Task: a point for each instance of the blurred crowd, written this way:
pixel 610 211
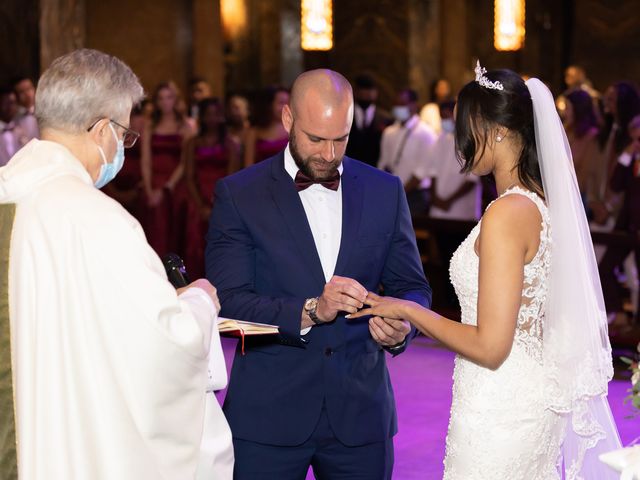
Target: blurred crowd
pixel 187 144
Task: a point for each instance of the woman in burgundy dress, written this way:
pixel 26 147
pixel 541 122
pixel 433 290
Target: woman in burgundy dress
pixel 162 170
pixel 208 157
pixel 267 136
pixel 126 188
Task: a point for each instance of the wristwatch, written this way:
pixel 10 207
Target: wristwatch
pixel 311 306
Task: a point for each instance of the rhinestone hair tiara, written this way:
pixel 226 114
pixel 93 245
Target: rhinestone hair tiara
pixel 484 81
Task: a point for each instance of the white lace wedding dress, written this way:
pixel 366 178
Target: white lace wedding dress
pixel 499 428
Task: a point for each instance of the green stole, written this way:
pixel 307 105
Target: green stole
pixel 8 441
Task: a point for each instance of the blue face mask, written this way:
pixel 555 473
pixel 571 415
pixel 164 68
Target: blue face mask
pixel 448 125
pixel 108 171
pixel 401 113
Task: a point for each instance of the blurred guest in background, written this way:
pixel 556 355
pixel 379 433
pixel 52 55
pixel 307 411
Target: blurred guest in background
pixel 575 77
pixel 126 188
pixel 199 89
pixel 267 135
pixel 405 148
pixel 454 195
pixel 626 180
pixel 440 92
pixel 208 157
pixel 369 121
pixel 581 125
pixel 162 169
pixel 26 95
pixel 15 130
pixel 237 114
pixel 621 103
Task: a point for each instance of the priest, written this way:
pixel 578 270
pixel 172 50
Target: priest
pixel 104 366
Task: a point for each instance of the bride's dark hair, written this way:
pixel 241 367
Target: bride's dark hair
pixel 479 109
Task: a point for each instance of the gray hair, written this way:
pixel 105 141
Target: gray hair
pixel 84 86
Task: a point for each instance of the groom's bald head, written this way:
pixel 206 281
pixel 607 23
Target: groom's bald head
pixel 318 119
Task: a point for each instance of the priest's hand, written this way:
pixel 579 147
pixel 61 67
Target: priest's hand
pixel 204 284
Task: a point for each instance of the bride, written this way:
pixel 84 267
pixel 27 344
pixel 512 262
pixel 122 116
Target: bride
pixel 534 360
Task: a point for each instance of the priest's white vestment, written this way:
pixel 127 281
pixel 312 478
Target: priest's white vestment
pixel 109 364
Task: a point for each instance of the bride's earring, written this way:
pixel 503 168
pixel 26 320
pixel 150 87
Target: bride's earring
pixel 498 138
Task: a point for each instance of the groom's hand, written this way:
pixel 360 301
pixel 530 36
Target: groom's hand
pixel 389 332
pixel 340 294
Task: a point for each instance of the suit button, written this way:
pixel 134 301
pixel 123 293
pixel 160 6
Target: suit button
pixel 328 352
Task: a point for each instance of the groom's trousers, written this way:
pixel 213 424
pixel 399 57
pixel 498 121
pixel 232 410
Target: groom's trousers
pixel 330 459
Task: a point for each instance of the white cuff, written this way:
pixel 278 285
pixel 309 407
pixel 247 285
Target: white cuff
pixel 197 292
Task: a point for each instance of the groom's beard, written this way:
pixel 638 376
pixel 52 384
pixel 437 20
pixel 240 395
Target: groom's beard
pixel 314 167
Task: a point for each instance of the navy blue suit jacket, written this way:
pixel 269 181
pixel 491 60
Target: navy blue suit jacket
pixel 262 258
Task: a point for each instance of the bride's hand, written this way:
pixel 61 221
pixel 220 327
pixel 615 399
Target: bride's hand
pixel 386 307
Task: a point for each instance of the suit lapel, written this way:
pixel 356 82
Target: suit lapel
pixel 288 202
pixel 351 214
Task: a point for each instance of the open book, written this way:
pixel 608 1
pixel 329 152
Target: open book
pixel 229 327
pixel 238 328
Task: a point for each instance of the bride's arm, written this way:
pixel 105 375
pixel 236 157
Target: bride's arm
pixel 508 239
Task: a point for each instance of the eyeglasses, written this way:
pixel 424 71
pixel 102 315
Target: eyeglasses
pixel 129 137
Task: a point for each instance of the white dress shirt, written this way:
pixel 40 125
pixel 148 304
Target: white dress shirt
pixel 363 117
pixel 405 147
pixel 444 167
pixel 323 208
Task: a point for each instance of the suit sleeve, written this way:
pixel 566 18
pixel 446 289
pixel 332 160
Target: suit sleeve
pixel 230 265
pixel 403 275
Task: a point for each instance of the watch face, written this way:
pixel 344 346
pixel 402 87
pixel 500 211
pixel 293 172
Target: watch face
pixel 310 304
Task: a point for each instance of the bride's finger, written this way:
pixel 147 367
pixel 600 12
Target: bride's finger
pixel 360 313
pixel 373 297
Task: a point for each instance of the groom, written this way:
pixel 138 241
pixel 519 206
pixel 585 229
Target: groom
pixel 297 241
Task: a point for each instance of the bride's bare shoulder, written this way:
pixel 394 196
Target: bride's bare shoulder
pixel 513 218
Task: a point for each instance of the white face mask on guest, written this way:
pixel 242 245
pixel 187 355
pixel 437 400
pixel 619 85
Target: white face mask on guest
pixel 401 113
pixel 448 125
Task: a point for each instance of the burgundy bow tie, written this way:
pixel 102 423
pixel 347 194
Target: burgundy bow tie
pixel 303 182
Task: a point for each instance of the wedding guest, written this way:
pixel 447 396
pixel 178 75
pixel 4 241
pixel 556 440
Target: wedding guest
pixel 267 135
pixel 237 114
pixel 369 121
pixel 26 95
pixel 575 78
pixel 625 180
pixel 162 170
pixel 208 157
pixel 15 130
pixel 405 148
pixel 621 103
pixel 199 89
pixel 580 123
pixel 440 92
pixel 127 187
pixel 454 195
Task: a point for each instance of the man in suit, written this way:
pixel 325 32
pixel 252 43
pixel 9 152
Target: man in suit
pixel 297 241
pixel 369 122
